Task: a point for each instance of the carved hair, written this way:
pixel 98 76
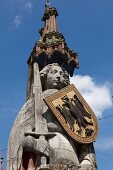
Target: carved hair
pixel 44 73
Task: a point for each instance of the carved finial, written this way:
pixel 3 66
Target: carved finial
pixel 47 4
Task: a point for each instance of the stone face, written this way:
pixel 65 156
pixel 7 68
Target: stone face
pixel 54 77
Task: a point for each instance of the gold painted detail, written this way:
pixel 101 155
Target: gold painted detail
pixel 74 114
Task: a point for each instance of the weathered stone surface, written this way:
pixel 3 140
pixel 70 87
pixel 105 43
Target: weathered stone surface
pixel 23 123
pixel 45 136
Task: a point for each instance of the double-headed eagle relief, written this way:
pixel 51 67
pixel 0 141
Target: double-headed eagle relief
pixel 74 114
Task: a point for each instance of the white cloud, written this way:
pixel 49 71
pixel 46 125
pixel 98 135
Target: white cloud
pixel 104 144
pixel 17 21
pixel 28 6
pixel 98 96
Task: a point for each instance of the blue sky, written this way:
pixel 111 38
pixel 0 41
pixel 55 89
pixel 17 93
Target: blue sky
pixel 88 29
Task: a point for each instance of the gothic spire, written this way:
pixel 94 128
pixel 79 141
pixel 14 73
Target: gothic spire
pixel 47 4
pixel 52 47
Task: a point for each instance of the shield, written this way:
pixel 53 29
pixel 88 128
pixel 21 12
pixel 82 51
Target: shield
pixel 74 114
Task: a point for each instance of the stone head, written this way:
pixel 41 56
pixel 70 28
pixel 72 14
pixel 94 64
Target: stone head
pixel 54 76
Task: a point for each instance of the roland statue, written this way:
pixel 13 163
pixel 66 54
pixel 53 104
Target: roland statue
pixel 37 140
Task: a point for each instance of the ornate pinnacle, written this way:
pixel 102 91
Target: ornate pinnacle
pixel 47 4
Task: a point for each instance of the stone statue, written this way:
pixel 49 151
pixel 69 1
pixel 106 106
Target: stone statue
pixel 37 140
